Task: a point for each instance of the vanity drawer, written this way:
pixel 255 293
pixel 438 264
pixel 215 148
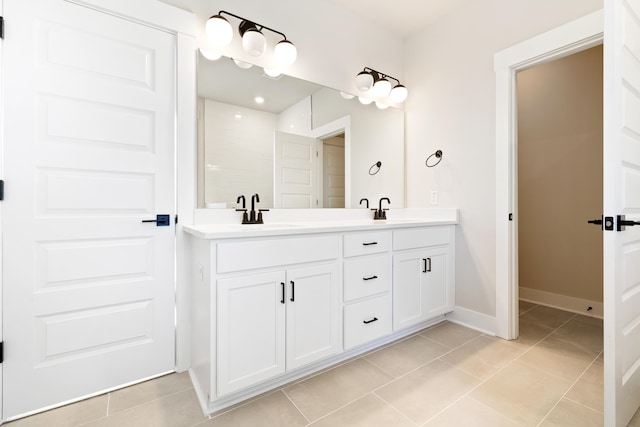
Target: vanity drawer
pixel 367 276
pixel 366 321
pixel 421 237
pixel 252 254
pixel 371 242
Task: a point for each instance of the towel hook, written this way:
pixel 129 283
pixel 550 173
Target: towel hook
pixel 438 155
pixel 377 164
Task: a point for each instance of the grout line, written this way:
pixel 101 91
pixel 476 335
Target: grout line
pixel 296 406
pixel 569 389
pixel 395 409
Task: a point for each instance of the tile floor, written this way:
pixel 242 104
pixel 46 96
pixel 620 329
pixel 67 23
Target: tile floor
pixel 447 375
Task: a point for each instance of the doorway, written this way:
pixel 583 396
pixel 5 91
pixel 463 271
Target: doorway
pixel 333 177
pixel 559 182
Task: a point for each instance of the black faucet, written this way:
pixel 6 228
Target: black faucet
pixel 365 200
pixel 252 215
pixel 380 213
pixel 245 218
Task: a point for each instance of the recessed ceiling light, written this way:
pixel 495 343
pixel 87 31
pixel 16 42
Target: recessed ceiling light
pixel 259 100
pixel 238 116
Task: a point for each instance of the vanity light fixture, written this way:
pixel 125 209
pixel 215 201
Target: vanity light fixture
pixel 364 100
pixel 220 32
pixel 370 78
pixel 211 55
pixel 346 95
pixel 242 64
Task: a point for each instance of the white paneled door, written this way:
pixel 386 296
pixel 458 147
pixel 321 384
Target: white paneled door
pixel 622 196
pixel 295 171
pixel 88 113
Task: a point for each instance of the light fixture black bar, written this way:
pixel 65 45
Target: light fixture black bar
pixel 381 74
pixel 256 24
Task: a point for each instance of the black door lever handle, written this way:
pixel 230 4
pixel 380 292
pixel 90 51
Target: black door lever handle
pixel 161 220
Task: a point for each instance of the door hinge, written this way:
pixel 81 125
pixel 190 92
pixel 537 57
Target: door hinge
pixel 1 27
pixel 1 189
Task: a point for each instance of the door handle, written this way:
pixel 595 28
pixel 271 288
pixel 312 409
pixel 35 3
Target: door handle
pixel 622 223
pixel 293 291
pixel 282 300
pixel 427 265
pixel 161 220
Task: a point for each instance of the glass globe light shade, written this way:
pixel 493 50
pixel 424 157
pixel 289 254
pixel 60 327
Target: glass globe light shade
pixel 219 31
pixel 272 72
pixel 381 87
pixel 346 95
pixel 254 42
pixel 242 64
pixel 211 55
pixel 382 105
pixel 399 94
pixel 364 81
pixel 285 53
pixel 364 101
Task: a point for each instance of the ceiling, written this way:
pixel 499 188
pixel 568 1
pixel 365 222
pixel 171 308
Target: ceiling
pixel 401 17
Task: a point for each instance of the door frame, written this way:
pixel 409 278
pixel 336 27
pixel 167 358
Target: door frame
pixel 565 40
pixel 336 127
pixel 182 24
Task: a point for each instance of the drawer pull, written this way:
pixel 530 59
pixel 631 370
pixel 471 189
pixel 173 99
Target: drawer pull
pixel 366 322
pixel 369 243
pixel 370 278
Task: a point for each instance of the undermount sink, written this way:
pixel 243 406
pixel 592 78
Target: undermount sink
pixel 393 221
pixel 253 227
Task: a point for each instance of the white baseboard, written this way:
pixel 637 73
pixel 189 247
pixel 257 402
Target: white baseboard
pixel 473 319
pixel 563 302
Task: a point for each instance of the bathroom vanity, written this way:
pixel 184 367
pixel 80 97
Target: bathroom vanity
pixel 275 302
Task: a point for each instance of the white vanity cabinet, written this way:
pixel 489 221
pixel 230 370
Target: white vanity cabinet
pixel 270 309
pixel 275 306
pixel 423 269
pixel 276 321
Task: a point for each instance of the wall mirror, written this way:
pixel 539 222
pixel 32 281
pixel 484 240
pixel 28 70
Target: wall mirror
pixel 295 143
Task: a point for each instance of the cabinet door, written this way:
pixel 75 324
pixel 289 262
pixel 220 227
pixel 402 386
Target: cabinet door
pixel 408 290
pixel 422 286
pixel 437 282
pixel 251 322
pixel 314 321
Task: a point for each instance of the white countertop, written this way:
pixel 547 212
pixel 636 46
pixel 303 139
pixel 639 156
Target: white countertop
pixel 297 226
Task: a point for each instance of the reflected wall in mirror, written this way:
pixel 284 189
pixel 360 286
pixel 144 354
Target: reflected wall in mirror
pixel 303 146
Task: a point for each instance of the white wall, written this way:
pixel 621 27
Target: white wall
pixel 451 106
pixel 333 44
pixel 376 135
pixel 241 150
